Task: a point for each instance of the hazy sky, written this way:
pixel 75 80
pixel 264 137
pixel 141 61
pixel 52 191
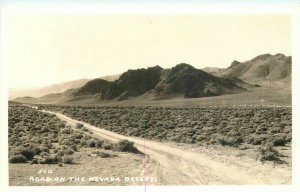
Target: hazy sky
pixel 48 49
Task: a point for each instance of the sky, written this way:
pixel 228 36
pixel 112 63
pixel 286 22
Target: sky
pixel 48 49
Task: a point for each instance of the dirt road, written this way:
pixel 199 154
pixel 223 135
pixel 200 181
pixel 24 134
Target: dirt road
pixel 177 166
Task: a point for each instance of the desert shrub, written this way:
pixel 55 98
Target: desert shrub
pixel 87 137
pixel 74 147
pixel 175 138
pixel 99 143
pixel 47 145
pixel 66 141
pixel 104 154
pixel 42 161
pixel 79 125
pixel 17 159
pixel 78 136
pixel 40 140
pixel 107 146
pixel 34 161
pixel 44 149
pixel 37 150
pixel 68 151
pixel 91 143
pixel 51 159
pixel 60 153
pixel 66 131
pixel 27 145
pixel 44 154
pixel 228 140
pixel 213 141
pixel 61 125
pixel 289 137
pixel 27 152
pixel 125 146
pixel 279 139
pixel 77 141
pixel 69 127
pixel 68 159
pixel 188 140
pixel 83 142
pixel 256 139
pixel 268 153
pixel 94 143
pixel 64 151
pixel 85 129
pixel 200 138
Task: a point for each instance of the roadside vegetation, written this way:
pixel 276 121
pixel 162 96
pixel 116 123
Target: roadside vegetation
pixel 36 137
pixel 39 137
pixel 204 125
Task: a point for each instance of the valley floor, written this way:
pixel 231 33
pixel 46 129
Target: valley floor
pixel 270 93
pixel 170 164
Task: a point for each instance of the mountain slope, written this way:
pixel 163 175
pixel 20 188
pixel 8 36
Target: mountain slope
pixel 130 84
pixel 157 83
pixel 153 83
pixel 264 67
pixel 93 87
pixel 189 82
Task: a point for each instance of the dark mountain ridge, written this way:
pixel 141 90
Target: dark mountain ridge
pixel 182 80
pixel 157 83
pixel 130 84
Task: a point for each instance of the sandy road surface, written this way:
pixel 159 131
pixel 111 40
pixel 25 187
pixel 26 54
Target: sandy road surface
pixel 176 166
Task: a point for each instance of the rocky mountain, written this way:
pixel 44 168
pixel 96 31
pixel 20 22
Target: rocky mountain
pixel 152 83
pixel 92 87
pixel 183 80
pixel 264 67
pixel 189 82
pixel 130 84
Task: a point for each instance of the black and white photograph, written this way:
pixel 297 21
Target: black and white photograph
pixel 146 99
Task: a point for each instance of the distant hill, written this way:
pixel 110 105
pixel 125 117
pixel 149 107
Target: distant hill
pixel 39 92
pixel 264 67
pixel 52 89
pixel 25 100
pixel 49 98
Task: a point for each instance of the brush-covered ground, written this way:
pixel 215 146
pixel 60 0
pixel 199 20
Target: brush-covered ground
pixel 44 150
pixel 231 139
